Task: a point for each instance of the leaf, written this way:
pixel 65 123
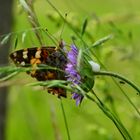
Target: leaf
pixel 8 76
pixel 102 40
pixel 16 42
pixel 7 72
pixel 25 6
pixel 51 83
pixel 23 36
pixel 84 26
pixel 5 39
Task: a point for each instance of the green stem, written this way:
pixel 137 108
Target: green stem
pixel 65 120
pixel 8 76
pixel 124 79
pixel 105 73
pixel 111 116
pixel 107 114
pixel 115 119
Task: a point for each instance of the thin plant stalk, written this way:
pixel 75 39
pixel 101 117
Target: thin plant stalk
pixel 28 7
pixel 111 116
pixel 105 73
pixel 65 120
pixel 54 120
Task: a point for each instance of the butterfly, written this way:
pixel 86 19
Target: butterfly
pixel 43 56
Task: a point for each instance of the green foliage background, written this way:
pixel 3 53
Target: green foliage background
pixel 35 115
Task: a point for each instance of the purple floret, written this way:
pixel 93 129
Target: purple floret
pixel 71 72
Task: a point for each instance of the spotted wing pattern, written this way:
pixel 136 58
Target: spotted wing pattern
pixel 44 56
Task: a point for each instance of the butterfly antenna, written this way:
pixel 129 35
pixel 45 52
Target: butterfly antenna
pixel 53 38
pixel 63 26
pixel 61 42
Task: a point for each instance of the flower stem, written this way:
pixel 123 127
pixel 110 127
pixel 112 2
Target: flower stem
pixel 105 73
pixel 111 116
pixel 65 120
pixel 124 79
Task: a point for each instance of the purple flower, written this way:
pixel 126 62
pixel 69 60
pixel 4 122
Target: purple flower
pixel 77 97
pixel 72 74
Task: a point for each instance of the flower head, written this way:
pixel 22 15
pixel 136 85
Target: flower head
pixel 72 73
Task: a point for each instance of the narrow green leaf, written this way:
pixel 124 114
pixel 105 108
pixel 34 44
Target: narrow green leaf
pixel 5 39
pixel 23 36
pixel 25 6
pixel 49 83
pixel 16 42
pixel 84 26
pixel 102 40
pixel 9 76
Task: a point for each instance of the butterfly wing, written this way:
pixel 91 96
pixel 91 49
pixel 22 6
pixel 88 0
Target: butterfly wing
pixel 38 57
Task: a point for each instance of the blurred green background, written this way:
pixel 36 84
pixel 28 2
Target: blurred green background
pixel 35 115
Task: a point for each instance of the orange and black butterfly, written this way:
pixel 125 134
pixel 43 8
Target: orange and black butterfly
pixel 37 57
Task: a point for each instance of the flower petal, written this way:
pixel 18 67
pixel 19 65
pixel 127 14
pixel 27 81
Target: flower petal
pixel 78 98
